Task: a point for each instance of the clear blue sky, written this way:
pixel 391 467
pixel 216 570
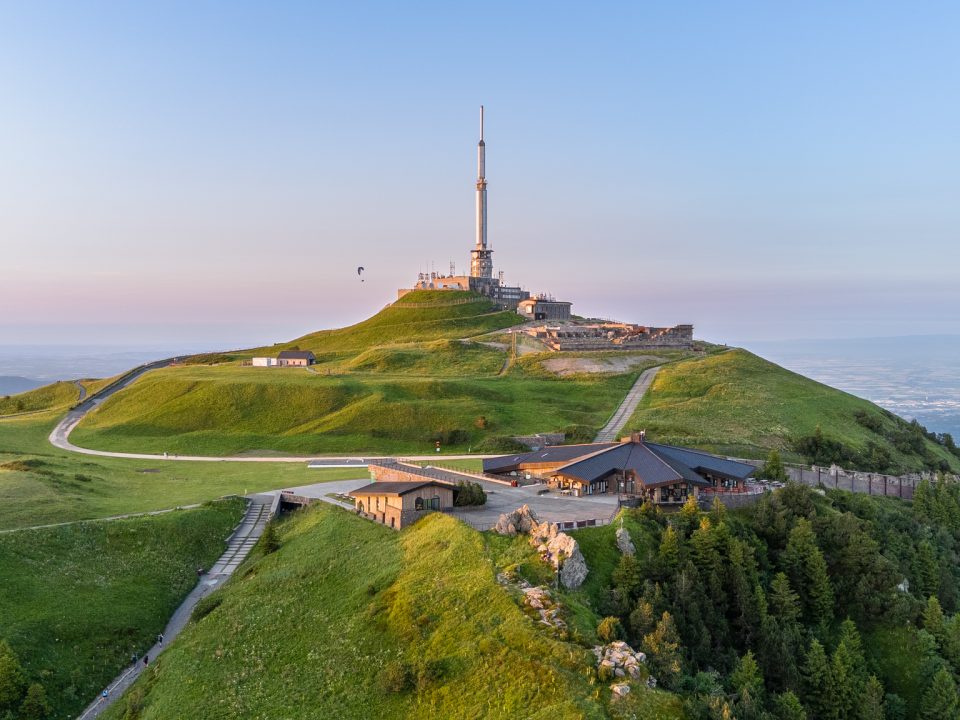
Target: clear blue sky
pixel 214 172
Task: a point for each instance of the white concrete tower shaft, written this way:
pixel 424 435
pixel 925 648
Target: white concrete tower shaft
pixel 481 257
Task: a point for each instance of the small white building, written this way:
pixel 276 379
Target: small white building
pixel 264 362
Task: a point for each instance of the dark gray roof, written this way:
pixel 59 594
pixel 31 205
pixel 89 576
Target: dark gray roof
pixel 653 464
pixel 549 454
pixel 390 487
pixel 648 465
pixel 296 355
pixel 699 460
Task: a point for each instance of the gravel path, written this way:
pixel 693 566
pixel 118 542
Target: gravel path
pixel 238 547
pixel 629 404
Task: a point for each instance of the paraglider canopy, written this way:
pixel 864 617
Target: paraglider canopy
pixel 360 270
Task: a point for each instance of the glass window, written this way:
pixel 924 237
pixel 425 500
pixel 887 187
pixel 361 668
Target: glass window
pixel 418 504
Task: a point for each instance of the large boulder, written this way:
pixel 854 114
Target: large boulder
pixel 520 521
pixel 624 542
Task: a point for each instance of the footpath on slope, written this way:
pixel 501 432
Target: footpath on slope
pixel 102 519
pixel 629 404
pixel 239 545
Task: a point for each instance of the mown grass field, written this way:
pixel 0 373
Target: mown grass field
pixel 76 601
pixel 735 402
pixel 318 627
pixel 41 484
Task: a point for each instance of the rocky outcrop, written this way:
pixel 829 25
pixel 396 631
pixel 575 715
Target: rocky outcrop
pixel 555 547
pixel 624 542
pixel 539 599
pixel 619 660
pixel 620 689
pixel 520 521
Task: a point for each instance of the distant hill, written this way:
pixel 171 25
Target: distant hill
pixel 12 384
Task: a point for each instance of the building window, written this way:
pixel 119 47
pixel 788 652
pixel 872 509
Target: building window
pixel 435 502
pixel 418 504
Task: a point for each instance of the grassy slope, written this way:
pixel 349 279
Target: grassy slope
pixel 341 600
pixel 40 484
pixel 55 395
pixel 419 316
pixel 226 410
pixel 736 402
pixel 76 601
pixel 391 384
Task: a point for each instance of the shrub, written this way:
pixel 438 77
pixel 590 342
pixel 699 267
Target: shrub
pixel 609 630
pixel 205 606
pixel 396 677
pixel 468 493
pixel 773 468
pixel 576 434
pixel 500 444
pixel 269 539
pixel 12 679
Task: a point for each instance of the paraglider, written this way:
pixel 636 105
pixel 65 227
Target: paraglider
pixel 359 272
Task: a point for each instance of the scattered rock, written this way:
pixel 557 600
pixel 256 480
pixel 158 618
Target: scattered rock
pixel 620 689
pixel 624 543
pixel 651 682
pixel 620 660
pixel 539 599
pixel 557 548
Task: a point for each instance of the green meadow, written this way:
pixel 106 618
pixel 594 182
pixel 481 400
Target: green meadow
pixel 40 484
pixel 76 601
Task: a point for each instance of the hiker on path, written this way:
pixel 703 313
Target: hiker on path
pixel 146 660
pixel 160 639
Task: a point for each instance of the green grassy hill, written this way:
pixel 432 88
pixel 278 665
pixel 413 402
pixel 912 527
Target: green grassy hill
pixel 76 601
pixel 354 620
pixel 419 371
pixel 735 402
pixel 53 396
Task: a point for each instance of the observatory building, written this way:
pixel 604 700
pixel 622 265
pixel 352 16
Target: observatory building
pixel 482 279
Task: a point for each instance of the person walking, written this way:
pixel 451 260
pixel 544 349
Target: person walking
pixel 146 660
pixel 160 639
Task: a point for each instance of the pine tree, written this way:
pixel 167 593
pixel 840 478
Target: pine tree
pixel 940 702
pixel 786 706
pixel 662 647
pixel 850 639
pixel 747 678
pixel 923 502
pixel 933 621
pixel 951 642
pixel 718 511
pixel 816 683
pixel 669 555
pixel 845 685
pixel 35 705
pixel 783 601
pixel 807 572
pixel 871 703
pixel 926 570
